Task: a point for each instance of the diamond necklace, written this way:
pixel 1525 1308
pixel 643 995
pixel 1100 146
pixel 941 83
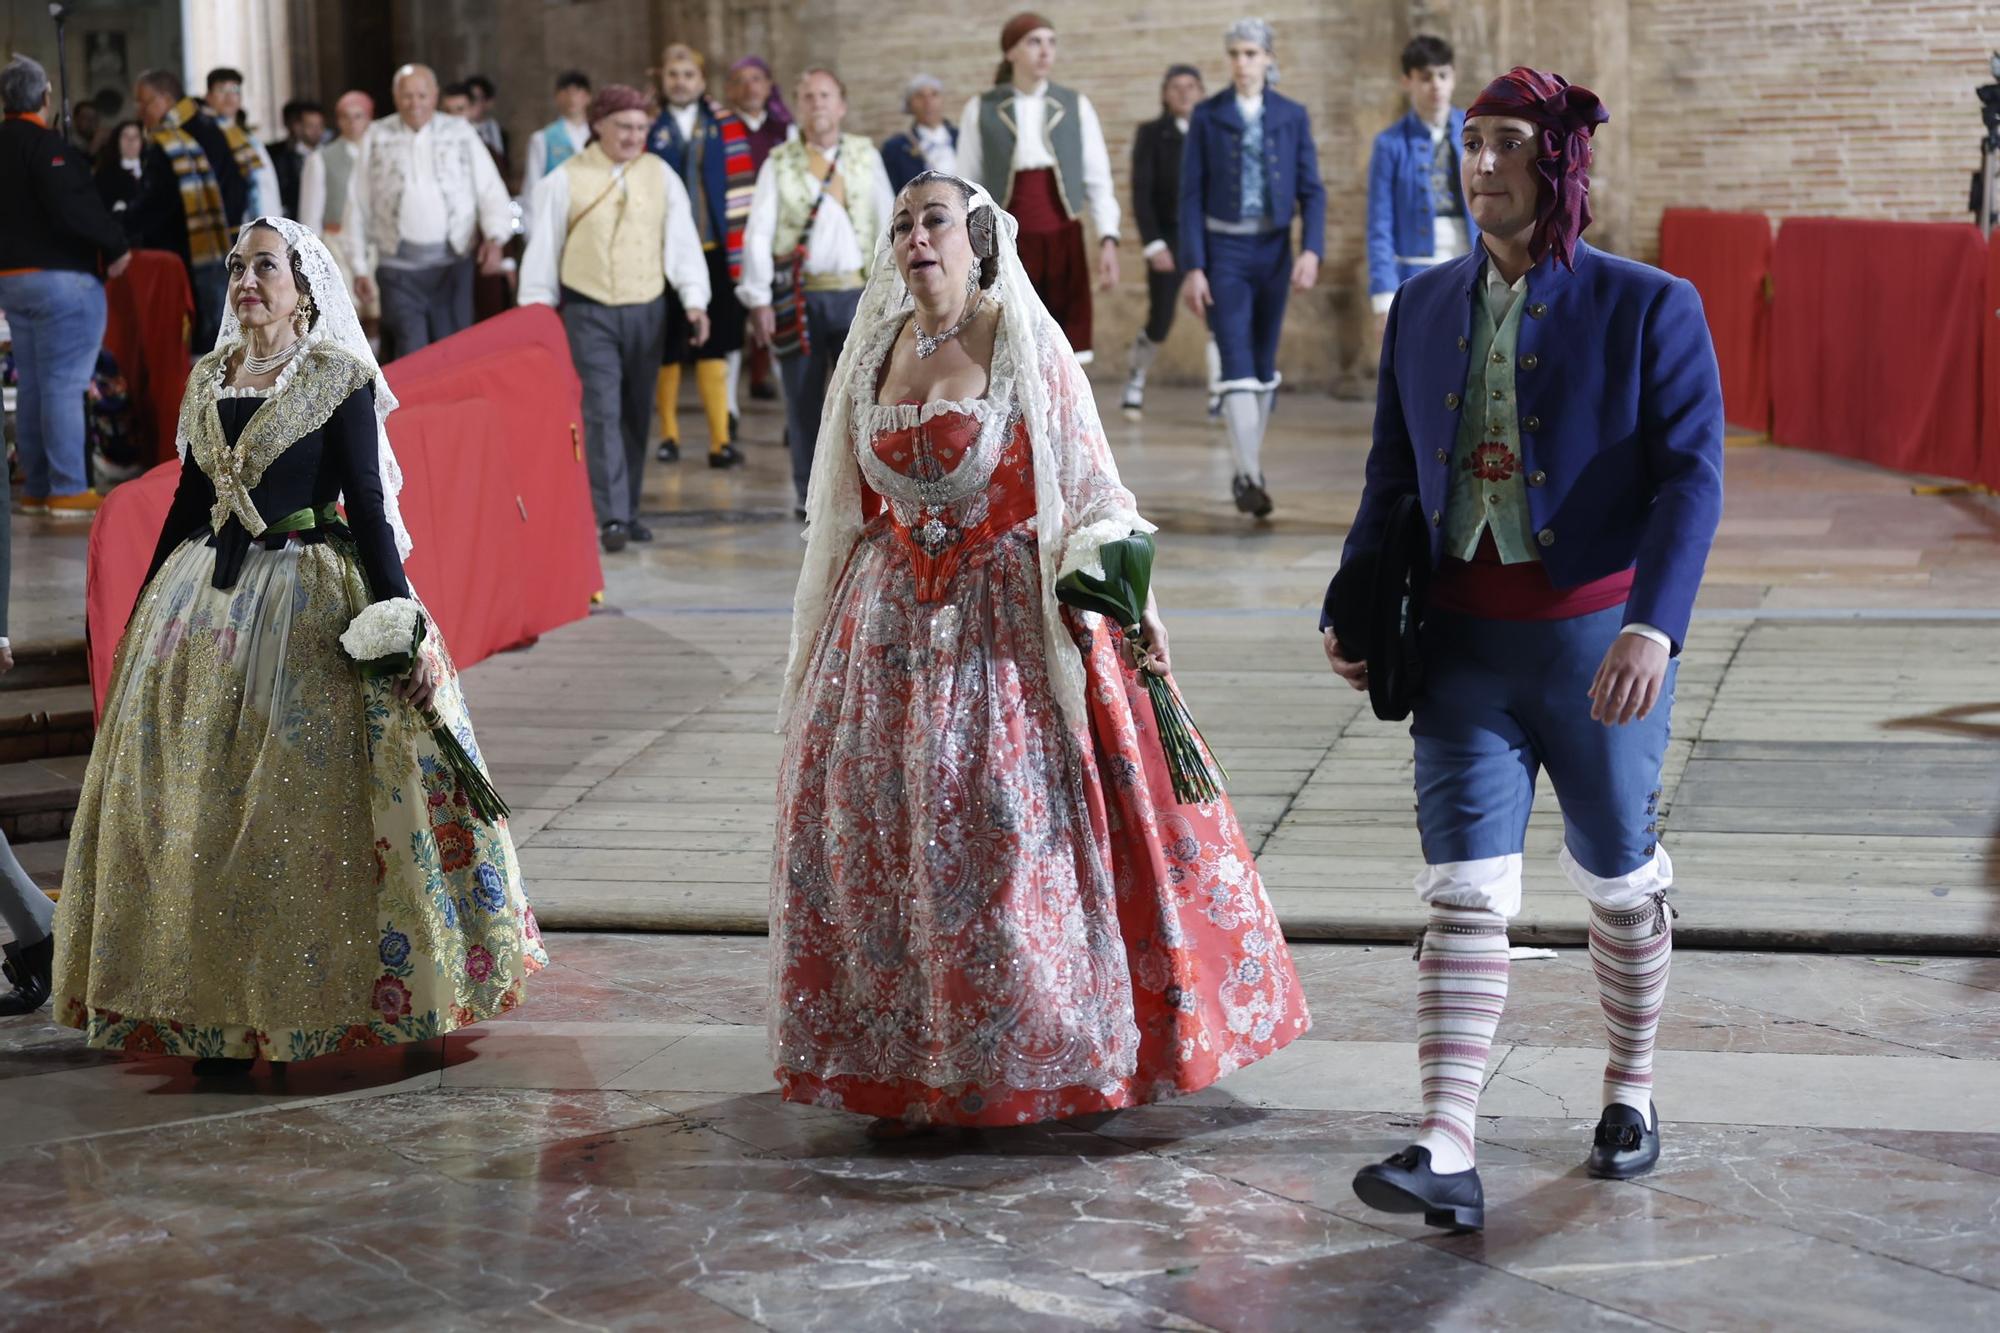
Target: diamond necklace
pixel 927 344
pixel 264 365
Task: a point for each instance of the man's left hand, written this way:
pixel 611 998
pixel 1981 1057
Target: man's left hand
pixel 1305 271
pixel 490 255
pixel 698 326
pixel 1107 263
pixel 1628 684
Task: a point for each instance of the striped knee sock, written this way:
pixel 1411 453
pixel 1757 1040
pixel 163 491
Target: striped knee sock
pixel 1629 950
pixel 1461 989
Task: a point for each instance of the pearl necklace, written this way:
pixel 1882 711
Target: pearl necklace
pixel 928 344
pixel 264 365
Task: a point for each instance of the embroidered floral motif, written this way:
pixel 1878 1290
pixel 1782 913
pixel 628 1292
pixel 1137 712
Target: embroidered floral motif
pixel 1492 461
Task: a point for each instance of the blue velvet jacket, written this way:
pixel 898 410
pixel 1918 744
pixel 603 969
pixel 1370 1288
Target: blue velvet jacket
pixel 902 158
pixel 667 142
pixel 1400 212
pixel 1211 172
pixel 1621 422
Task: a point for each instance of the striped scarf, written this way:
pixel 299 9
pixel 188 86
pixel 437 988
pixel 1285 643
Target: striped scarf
pixel 249 161
pixel 739 173
pixel 201 196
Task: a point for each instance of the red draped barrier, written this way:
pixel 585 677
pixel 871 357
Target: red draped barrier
pixel 1876 337
pixel 1727 256
pixel 1989 451
pixel 494 493
pixel 147 311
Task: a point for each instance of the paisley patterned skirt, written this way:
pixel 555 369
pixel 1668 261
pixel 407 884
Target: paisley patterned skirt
pixel 269 857
pixel 979 916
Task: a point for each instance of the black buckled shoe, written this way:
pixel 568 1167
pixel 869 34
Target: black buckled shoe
pixel 638 531
pixel 668 452
pixel 727 456
pixel 1405 1183
pixel 613 536
pixel 29 969
pixel 1251 497
pixel 1624 1147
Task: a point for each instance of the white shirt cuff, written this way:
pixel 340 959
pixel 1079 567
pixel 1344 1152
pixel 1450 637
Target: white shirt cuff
pixel 1153 248
pixel 1648 632
pixel 1381 301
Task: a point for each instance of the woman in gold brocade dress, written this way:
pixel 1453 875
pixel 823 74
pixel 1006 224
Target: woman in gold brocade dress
pixel 270 855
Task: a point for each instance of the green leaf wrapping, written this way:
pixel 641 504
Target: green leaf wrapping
pixel 1120 596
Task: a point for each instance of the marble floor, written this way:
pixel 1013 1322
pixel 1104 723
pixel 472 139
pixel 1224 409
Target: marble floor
pixel 612 1155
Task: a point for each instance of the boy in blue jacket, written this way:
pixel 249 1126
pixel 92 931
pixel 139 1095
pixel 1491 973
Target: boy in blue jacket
pixel 1416 211
pixel 1556 413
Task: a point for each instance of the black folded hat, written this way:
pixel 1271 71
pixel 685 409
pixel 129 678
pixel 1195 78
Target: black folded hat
pixel 1376 604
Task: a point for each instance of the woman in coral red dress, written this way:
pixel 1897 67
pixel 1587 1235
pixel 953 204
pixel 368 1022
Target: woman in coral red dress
pixel 986 907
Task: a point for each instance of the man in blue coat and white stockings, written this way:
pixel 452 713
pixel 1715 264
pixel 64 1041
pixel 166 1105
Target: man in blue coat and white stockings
pixel 1248 168
pixel 1557 412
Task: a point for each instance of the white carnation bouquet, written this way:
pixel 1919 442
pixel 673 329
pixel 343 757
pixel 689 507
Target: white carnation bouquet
pixel 384 641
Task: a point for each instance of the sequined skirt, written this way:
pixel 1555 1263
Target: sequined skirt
pixel 269 857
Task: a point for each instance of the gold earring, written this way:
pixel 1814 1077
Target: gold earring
pixel 303 316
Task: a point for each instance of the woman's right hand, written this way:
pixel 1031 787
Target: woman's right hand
pixel 1353 672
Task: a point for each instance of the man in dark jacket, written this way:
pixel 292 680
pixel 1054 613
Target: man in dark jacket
pixel 1156 203
pixel 305 128
pixel 931 142
pixel 187 179
pixel 55 238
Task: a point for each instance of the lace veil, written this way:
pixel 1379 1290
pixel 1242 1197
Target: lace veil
pixel 1080 503
pixel 339 326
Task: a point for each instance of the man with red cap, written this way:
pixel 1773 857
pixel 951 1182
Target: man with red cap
pixel 610 230
pixel 1038 148
pixel 1550 418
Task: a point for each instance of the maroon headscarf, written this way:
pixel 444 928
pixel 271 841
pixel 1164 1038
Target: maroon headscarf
pixel 774 106
pixel 611 99
pixel 1566 114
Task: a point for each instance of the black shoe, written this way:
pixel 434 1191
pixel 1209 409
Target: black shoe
pixel 612 536
pixel 29 969
pixel 1405 1183
pixel 1624 1146
pixel 799 512
pixel 668 452
pixel 222 1066
pixel 1250 497
pixel 638 531
pixel 727 456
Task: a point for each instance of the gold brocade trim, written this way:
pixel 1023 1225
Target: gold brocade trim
pixel 306 401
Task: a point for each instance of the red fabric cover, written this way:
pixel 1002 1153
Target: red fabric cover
pixel 1989 452
pixel 1876 330
pixel 148 309
pixel 1727 256
pixel 1484 587
pixel 494 493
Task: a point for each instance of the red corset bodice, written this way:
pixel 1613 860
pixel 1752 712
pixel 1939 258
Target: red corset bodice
pixel 940 539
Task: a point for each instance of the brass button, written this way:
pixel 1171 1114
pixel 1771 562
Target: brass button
pixel 1493 499
pixel 1443 457
pixel 1532 423
pixel 1530 361
pixel 1463 344
pixel 1499 395
pixel 1499 358
pixel 1451 401
pixel 1537 310
pixel 1537 477
pixel 1437 517
pixel 1547 536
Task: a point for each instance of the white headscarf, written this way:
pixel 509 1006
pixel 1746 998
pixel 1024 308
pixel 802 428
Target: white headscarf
pixel 1079 502
pixel 339 326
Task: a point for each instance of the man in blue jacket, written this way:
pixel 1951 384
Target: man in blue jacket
pixel 1416 211
pixel 1557 413
pixel 931 142
pixel 1248 166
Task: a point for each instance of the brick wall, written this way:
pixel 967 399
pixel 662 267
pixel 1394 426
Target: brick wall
pixel 1833 106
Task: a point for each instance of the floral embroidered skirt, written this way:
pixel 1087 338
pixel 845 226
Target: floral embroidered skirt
pixel 269 857
pixel 980 917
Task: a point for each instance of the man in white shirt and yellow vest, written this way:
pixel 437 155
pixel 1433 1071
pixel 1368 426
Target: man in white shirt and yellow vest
pixel 611 230
pixel 835 184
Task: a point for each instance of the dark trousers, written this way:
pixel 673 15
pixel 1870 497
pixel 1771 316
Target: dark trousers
pixel 420 306
pixel 211 295
pixel 828 317
pixel 617 353
pixel 1163 293
pixel 1251 279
